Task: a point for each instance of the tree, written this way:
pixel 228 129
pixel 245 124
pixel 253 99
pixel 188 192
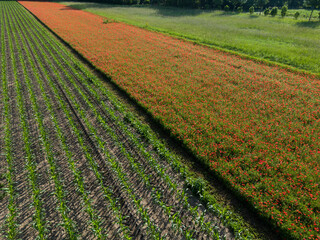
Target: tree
pixel 274 11
pixel 314 4
pixel 261 3
pixel 251 10
pixel 238 3
pixel 284 10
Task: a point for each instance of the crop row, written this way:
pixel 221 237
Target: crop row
pixel 12 205
pixel 255 126
pixel 143 129
pixel 69 226
pixel 29 156
pixel 47 145
pixel 119 171
pixel 93 164
pixel 63 94
pixel 95 221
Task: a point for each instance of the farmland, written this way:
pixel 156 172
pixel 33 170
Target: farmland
pixel 76 164
pixel 255 125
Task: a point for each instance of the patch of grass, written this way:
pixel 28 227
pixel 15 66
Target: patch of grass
pixel 284 40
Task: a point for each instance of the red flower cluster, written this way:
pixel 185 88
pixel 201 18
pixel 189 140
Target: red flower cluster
pixel 256 125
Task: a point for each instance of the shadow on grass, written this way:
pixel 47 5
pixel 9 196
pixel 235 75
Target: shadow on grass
pixel 176 12
pixel 160 10
pixel 224 13
pixel 309 24
pixel 82 6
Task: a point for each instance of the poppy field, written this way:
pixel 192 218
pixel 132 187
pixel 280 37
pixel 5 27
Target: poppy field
pixel 76 164
pixel 255 125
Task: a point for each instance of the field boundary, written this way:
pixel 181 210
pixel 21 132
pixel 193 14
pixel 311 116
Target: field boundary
pixel 226 50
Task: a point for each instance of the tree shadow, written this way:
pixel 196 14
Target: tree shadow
pixel 82 6
pixel 176 12
pixel 226 14
pixel 308 24
pixel 160 10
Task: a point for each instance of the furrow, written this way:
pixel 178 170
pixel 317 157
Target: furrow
pixel 11 226
pixel 45 129
pixel 124 181
pixel 80 138
pixel 66 145
pixel 3 163
pixel 198 214
pixel 33 176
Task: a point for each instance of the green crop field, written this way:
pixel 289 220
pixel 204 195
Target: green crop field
pixel 284 40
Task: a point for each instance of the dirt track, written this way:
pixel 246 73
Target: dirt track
pixel 90 139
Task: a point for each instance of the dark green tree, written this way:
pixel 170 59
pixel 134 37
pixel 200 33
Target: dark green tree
pixel 274 11
pixel 284 10
pixel 251 10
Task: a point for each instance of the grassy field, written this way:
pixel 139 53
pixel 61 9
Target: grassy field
pixel 287 41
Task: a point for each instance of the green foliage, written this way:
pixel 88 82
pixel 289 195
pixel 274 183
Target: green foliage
pixel 251 10
pixel 284 10
pixel 240 9
pixel 313 3
pixel 266 12
pixel 296 15
pixel 226 8
pixel 274 11
pixel 197 185
pixel 261 3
